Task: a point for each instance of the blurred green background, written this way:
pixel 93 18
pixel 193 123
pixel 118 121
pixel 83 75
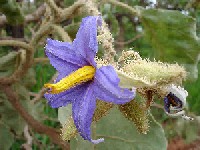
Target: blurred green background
pixel 167 30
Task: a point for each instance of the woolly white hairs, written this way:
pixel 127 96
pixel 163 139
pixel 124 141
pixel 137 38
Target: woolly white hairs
pixel 186 117
pixel 180 113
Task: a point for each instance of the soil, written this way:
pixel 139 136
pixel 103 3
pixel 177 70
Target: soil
pixel 178 143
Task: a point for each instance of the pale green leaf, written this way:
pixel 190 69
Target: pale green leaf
pixel 64 113
pixel 10 117
pixel 172 35
pixel 36 110
pixel 119 133
pixel 29 78
pixel 6 138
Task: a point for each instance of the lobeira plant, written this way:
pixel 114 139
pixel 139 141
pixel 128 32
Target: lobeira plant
pixel 147 77
pixel 83 79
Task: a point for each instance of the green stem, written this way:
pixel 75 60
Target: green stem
pixel 25 64
pixel 122 5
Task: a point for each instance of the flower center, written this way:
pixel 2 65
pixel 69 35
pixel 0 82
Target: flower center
pixel 81 75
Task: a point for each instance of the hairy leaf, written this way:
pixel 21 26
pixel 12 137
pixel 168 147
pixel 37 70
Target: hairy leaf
pixel 173 36
pixel 119 133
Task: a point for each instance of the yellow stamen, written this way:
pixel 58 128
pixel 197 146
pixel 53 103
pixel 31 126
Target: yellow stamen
pixel 81 75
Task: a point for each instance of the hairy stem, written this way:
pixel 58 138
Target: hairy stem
pixel 122 5
pixel 53 7
pixel 25 64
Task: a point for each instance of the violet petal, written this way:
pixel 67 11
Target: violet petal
pixel 66 97
pixel 64 51
pixel 60 65
pixel 106 87
pixel 82 111
pixel 85 42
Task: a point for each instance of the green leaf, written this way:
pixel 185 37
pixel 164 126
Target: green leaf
pixel 10 117
pixel 36 110
pixel 64 113
pixel 119 133
pixel 29 79
pixel 172 35
pixel 194 96
pixel 6 138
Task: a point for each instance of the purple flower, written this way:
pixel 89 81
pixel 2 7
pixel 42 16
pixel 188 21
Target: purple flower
pixel 80 82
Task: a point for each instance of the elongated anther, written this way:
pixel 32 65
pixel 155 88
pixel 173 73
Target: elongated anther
pixel 81 75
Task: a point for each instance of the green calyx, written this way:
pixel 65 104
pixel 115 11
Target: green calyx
pixel 137 113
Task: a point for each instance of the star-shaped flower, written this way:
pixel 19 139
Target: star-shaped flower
pixel 80 82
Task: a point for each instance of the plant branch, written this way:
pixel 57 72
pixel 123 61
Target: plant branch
pixel 157 105
pixel 29 139
pixel 43 90
pixel 44 30
pixel 71 10
pixel 61 32
pixel 129 41
pixel 15 43
pixel 41 60
pixel 28 18
pixel 12 38
pixel 63 14
pixel 122 5
pixel 105 36
pixel 37 126
pixel 24 64
pixel 35 15
pixel 54 7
